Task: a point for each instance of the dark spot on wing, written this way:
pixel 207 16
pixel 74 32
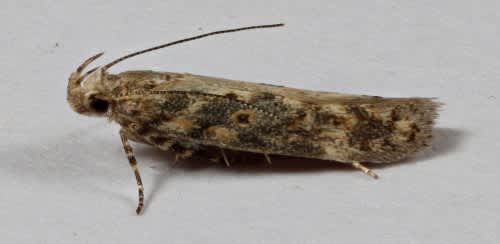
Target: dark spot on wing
pixel 231 96
pixel 243 118
pixel 174 102
pixel 367 129
pixel 251 138
pixel 329 119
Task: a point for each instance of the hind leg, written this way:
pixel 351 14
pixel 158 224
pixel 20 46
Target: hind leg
pixel 365 170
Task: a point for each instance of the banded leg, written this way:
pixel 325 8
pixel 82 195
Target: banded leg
pixel 133 164
pixel 365 170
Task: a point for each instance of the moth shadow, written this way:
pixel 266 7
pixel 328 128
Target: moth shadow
pixel 446 140
pixel 240 163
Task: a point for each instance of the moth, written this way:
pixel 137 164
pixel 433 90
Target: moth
pixel 190 112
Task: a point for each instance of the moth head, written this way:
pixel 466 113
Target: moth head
pixel 86 93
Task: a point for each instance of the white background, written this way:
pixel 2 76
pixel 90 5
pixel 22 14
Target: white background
pixel 65 178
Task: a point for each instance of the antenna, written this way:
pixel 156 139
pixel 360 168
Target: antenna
pixel 109 65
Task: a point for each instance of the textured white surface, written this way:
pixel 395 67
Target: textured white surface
pixel 65 178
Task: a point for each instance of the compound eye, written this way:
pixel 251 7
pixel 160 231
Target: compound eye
pixel 99 105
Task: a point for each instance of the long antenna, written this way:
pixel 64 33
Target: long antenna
pixel 107 66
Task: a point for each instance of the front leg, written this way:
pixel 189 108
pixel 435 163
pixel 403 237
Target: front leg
pixel 133 164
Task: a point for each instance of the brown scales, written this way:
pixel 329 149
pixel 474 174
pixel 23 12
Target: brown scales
pixel 185 112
